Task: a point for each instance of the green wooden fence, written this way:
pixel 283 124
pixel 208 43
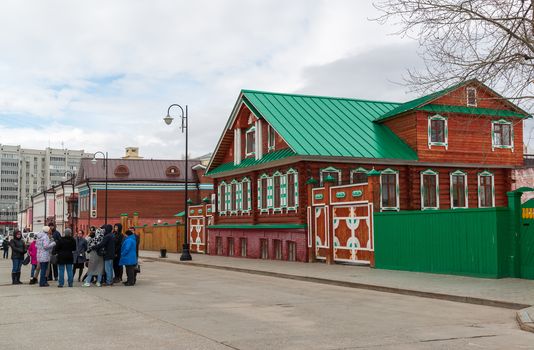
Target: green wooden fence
pixel 473 242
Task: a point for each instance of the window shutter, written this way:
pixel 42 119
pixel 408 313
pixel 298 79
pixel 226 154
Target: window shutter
pixel 227 195
pixel 296 182
pixel 239 196
pixel 270 192
pixel 219 198
pixel 283 191
pixel 259 194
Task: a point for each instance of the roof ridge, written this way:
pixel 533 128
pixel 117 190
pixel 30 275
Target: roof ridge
pixel 317 96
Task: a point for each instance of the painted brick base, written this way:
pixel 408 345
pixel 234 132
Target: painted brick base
pixel 220 241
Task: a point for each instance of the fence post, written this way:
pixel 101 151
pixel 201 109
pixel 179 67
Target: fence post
pixel 311 228
pixel 514 207
pixel 135 220
pixel 124 222
pixel 327 182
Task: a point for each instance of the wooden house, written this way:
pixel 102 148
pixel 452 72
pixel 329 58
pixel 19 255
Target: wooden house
pixel 452 149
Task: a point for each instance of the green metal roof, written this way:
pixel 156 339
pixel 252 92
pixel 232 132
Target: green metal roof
pixel 330 126
pixel 470 110
pixel 182 213
pixel 247 162
pixel 413 104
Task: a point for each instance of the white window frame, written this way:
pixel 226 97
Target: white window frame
pixel 445 131
pixel 250 130
pixel 281 176
pixel 331 169
pixel 261 194
pixel 296 186
pixel 237 146
pixel 271 132
pixel 466 193
pixel 246 180
pixel 429 172
pixel 467 96
pixel 358 170
pixel 220 199
pixel 502 122
pixel 479 175
pixel 234 209
pixel 390 171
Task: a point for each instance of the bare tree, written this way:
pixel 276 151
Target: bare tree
pixel 492 40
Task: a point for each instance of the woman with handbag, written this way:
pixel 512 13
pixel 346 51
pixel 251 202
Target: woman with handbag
pixel 79 254
pixel 44 248
pixel 96 261
pixel 18 249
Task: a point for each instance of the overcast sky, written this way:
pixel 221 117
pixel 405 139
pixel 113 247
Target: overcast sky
pixel 99 75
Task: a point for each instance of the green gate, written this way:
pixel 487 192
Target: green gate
pixel 526 241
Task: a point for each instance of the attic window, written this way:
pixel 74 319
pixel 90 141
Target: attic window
pixel 172 171
pixel 122 170
pixel 471 97
pixel 250 146
pixel 271 138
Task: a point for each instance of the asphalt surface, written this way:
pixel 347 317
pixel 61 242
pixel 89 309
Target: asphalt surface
pixel 186 307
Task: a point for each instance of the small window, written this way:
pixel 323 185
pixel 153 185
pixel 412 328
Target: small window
pixel 291 251
pixel 389 190
pixel 437 131
pixel 358 176
pixel 429 190
pixel 264 249
pixel 458 190
pixel 486 197
pixel 291 189
pixel 333 172
pixel 271 137
pixel 219 245
pixel 243 242
pixel 277 249
pixel 230 246
pixel 471 97
pixel 502 134
pixel 222 198
pixel 172 171
pixel 250 147
pixel 122 171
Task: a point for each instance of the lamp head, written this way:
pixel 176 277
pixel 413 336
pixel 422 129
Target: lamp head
pixel 168 119
pixel 93 161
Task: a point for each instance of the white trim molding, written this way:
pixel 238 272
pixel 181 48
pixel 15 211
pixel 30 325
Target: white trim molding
pixel 429 172
pixel 390 171
pixel 445 143
pixel 451 189
pixel 479 176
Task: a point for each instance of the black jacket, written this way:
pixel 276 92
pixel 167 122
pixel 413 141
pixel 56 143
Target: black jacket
pixel 18 249
pixel 65 248
pixel 5 244
pixel 108 243
pixel 118 241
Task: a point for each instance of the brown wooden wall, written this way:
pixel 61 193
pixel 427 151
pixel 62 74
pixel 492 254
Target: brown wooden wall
pixel 161 237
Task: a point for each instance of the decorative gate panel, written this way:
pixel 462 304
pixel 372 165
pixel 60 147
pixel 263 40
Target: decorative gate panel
pixel 322 242
pixel 200 217
pixel 353 232
pixel 527 241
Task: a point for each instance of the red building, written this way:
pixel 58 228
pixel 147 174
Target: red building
pixel 154 189
pixel 454 148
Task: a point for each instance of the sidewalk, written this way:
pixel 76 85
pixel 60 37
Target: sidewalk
pixel 509 292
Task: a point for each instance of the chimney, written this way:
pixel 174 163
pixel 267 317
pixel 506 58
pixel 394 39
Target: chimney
pixel 132 153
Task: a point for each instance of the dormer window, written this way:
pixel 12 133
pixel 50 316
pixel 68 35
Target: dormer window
pixel 271 138
pixel 122 170
pixel 172 171
pixel 471 96
pixel 250 147
pixel 437 131
pixel 502 134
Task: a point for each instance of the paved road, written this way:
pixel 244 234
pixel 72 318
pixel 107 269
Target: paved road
pixel 184 307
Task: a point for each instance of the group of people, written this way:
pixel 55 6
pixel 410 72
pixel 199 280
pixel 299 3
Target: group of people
pixel 105 252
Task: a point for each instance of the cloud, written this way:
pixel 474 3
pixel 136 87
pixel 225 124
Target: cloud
pixel 99 75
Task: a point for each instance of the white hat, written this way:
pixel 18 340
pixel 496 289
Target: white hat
pixel 46 228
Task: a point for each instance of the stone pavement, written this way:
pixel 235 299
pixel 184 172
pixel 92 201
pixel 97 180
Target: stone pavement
pixel 508 292
pixel 189 307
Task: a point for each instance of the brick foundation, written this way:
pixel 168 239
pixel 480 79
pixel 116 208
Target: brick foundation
pixel 253 241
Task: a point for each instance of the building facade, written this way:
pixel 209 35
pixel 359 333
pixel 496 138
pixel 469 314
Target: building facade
pixel 453 149
pixel 154 189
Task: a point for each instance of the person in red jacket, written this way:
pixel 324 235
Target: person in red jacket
pixel 32 251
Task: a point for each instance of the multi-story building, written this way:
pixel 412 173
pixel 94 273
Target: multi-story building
pixel 27 172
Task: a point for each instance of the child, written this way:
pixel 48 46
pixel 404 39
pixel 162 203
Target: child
pixel 32 251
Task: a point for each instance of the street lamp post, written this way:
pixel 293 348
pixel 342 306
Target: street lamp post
pixel 72 176
pixel 105 157
pixel 186 254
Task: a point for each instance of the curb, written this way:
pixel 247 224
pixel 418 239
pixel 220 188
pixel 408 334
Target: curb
pixel 525 320
pixel 357 285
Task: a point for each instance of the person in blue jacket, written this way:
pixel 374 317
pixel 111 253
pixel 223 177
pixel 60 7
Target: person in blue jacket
pixel 129 257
